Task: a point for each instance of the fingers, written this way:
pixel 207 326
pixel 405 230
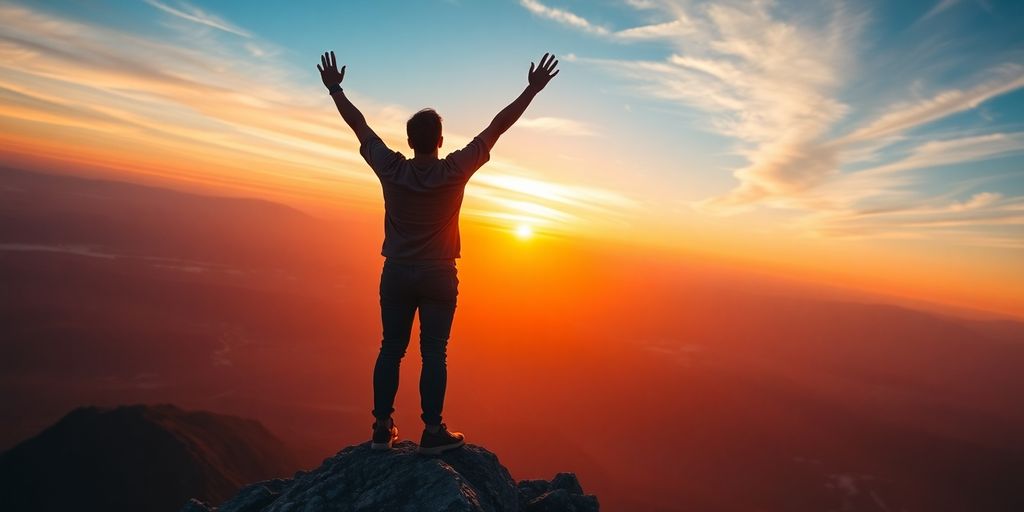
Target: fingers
pixel 554 74
pixel 547 63
pixel 328 61
pixel 320 69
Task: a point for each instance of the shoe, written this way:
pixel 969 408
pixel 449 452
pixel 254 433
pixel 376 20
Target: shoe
pixel 384 438
pixel 440 441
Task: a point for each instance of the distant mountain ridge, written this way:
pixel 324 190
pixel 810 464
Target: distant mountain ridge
pixel 33 183
pixel 138 457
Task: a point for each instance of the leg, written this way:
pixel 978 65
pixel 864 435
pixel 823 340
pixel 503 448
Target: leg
pixel 397 309
pixel 438 293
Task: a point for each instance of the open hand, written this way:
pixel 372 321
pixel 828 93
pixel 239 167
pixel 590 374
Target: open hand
pixel 328 68
pixel 542 74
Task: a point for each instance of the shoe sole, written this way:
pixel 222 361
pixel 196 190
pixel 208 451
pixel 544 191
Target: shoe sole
pixel 438 450
pixel 384 446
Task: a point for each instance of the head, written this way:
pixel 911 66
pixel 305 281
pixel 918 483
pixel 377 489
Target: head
pixel 424 130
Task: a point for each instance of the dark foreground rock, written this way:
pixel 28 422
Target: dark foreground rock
pixel 359 479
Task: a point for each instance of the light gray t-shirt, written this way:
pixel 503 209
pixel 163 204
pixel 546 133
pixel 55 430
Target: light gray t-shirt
pixel 422 200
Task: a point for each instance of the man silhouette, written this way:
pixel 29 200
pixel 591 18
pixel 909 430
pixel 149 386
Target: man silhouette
pixel 422 199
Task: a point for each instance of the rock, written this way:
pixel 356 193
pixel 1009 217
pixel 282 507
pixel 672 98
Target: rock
pixel 561 500
pixel 467 479
pixel 567 481
pixel 256 496
pixel 531 489
pixel 195 505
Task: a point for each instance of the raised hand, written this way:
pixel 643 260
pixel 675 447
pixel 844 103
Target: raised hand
pixel 542 74
pixel 328 68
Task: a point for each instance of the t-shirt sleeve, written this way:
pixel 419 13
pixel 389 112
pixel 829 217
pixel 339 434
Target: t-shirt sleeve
pixel 378 155
pixel 464 162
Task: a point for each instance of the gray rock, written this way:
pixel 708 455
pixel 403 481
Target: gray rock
pixel 256 496
pixel 195 505
pixel 561 500
pixel 467 479
pixel 531 489
pixel 567 481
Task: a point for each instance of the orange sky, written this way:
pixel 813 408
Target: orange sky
pixel 198 124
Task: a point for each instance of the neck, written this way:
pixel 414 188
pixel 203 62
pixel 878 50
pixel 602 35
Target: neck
pixel 425 156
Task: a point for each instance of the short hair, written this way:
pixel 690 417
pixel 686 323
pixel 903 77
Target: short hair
pixel 424 130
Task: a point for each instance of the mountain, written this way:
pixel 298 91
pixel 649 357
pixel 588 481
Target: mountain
pixel 468 479
pixel 138 457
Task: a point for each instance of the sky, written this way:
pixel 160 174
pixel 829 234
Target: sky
pixel 872 144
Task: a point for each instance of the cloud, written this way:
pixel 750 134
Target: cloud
pixel 766 83
pixel 573 20
pixel 667 29
pixel 193 101
pixel 935 153
pixel 901 117
pixel 939 7
pixel 556 125
pixel 772 80
pixel 196 15
pixel 552 206
pixel 985 218
pixel 562 16
pixel 641 4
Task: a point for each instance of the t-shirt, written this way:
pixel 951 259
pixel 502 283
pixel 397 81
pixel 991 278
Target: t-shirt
pixel 422 200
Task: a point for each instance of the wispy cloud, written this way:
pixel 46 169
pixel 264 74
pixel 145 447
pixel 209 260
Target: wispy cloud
pixel 901 117
pixel 562 16
pixel 549 205
pixel 557 125
pixel 984 218
pixel 940 6
pixel 197 15
pixel 772 81
pixel 195 101
pixel 678 26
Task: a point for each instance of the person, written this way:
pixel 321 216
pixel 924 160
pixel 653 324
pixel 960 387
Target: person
pixel 422 199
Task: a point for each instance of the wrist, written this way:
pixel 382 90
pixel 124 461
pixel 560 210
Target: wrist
pixel 334 88
pixel 533 89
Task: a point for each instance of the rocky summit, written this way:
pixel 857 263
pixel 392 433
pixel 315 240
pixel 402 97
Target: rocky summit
pixel 469 478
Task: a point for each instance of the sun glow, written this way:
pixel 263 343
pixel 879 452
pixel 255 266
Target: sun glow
pixel 524 231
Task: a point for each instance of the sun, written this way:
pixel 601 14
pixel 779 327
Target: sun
pixel 524 231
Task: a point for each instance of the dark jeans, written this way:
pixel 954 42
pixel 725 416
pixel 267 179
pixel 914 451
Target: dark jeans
pixel 431 287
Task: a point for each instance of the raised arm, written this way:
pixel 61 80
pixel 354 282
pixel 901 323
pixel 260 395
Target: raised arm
pixel 538 77
pixel 332 78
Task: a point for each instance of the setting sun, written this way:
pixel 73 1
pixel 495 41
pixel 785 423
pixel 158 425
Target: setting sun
pixel 524 231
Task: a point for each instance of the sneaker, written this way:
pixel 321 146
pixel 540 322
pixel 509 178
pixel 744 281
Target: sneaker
pixel 440 441
pixel 384 438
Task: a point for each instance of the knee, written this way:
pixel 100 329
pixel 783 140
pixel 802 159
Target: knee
pixel 392 350
pixel 432 349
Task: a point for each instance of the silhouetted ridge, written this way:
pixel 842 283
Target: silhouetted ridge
pixel 357 479
pixel 138 457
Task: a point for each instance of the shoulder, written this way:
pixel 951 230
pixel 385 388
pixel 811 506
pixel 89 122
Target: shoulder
pixel 378 155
